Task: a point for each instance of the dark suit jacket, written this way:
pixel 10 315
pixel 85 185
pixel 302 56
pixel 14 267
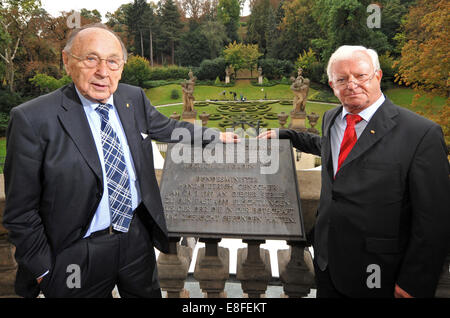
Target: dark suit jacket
pixel 388 204
pixel 53 176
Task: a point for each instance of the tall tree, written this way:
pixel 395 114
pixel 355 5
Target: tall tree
pixel 192 49
pixel 92 15
pixel 345 22
pixel 14 18
pixel 258 22
pixel 228 13
pixel 215 34
pixel 392 13
pixel 271 32
pixel 425 60
pixel 134 19
pixel 170 25
pixel 117 21
pixel 209 10
pixel 193 9
pixel 297 28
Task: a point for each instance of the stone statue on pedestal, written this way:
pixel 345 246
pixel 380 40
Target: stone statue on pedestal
pixel 227 74
pixel 300 88
pixel 188 93
pixel 260 76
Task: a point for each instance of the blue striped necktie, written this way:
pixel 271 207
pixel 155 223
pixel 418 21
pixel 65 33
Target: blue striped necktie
pixel 116 174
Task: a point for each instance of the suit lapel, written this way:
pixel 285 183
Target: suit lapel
pixel 379 125
pixel 74 121
pixel 326 152
pixel 125 109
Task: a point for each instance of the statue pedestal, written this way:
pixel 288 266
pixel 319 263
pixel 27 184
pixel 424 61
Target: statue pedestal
pixel 8 269
pixel 443 288
pixel 227 79
pixel 298 121
pixel 189 116
pixel 260 80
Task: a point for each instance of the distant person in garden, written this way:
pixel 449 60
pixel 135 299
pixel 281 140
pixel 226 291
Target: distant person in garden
pixel 83 206
pixel 383 222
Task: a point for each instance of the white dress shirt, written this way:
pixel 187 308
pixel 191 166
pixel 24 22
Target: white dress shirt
pixel 102 217
pixel 338 128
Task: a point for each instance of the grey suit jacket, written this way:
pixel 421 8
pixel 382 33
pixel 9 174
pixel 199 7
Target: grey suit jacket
pixel 53 176
pixel 388 205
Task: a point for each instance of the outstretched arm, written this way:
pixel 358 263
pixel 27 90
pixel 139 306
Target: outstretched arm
pixel 303 141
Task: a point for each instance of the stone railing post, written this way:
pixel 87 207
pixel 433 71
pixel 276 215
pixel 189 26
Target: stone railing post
pixel 8 265
pixel 253 268
pixel 443 288
pixel 296 270
pixel 173 269
pixel 212 268
pixel 8 268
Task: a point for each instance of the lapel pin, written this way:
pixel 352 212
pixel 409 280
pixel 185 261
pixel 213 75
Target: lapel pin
pixel 128 105
pixel 372 131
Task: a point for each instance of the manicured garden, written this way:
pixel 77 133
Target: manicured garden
pixel 272 101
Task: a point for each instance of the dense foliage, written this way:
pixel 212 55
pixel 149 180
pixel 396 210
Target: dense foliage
pixel 167 38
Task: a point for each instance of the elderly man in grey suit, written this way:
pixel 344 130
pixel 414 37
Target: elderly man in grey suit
pixel 81 192
pixel 382 227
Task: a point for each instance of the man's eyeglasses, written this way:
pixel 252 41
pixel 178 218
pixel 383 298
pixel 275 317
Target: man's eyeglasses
pixel 359 80
pixel 92 60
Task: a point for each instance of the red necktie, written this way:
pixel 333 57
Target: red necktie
pixel 349 139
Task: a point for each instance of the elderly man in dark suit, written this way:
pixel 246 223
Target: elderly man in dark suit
pixel 83 206
pixel 383 222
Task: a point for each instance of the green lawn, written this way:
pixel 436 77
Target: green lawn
pixel 404 97
pixel 2 152
pixel 161 95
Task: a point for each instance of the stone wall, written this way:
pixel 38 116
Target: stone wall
pixel 8 266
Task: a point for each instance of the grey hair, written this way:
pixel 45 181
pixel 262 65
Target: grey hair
pixel 75 32
pixel 346 51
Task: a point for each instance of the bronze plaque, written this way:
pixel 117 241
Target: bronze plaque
pixel 247 190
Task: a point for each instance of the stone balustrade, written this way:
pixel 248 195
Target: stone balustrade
pixel 8 266
pixel 296 272
pixel 253 262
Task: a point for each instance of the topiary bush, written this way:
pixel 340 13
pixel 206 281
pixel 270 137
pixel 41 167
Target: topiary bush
pixel 276 69
pixel 174 94
pixel 47 83
pixel 136 71
pixel 211 69
pixel 168 73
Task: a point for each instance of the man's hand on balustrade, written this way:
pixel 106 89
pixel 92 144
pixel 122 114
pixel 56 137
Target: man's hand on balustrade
pixel 268 134
pixel 229 137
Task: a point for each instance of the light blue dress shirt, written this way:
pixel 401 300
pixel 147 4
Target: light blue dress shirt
pixel 338 128
pixel 102 217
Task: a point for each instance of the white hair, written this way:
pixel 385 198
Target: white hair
pixel 346 51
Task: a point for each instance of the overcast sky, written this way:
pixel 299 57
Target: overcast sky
pixel 54 7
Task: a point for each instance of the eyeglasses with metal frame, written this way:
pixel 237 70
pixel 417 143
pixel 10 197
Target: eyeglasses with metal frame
pixel 359 80
pixel 92 61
